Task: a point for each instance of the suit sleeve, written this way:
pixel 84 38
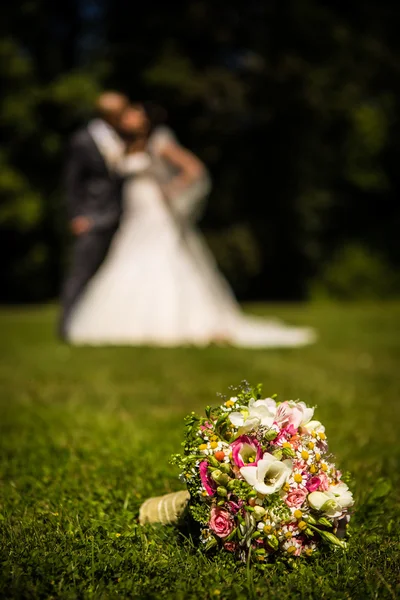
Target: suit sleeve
pixel 73 176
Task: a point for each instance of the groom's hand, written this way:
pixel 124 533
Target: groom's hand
pixel 81 225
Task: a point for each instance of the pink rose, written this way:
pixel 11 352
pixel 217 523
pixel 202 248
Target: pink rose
pixel 288 414
pixel 221 522
pixel 296 497
pixel 314 484
pixel 207 481
pixel 246 451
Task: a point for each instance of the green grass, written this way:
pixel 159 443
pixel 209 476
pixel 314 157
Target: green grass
pixel 86 435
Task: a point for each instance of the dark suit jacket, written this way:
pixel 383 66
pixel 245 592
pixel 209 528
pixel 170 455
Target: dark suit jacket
pixel 91 190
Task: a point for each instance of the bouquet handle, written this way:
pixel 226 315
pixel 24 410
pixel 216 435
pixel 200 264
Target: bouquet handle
pixel 167 509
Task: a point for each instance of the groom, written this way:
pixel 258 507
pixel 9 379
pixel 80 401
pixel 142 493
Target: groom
pixel 93 196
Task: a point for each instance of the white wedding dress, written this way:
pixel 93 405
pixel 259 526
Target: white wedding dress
pixel 160 285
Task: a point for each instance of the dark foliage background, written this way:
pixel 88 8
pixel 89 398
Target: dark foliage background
pixel 294 106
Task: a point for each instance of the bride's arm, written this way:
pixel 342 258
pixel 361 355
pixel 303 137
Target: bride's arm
pixel 190 168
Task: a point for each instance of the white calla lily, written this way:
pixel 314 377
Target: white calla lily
pixel 269 475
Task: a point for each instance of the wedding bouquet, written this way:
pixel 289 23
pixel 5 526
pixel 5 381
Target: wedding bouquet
pixel 260 479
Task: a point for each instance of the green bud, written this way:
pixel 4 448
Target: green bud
pixel 323 521
pixel 220 478
pixel 221 503
pixel 221 491
pixel 252 494
pixel 332 539
pixel 225 467
pixel 311 520
pixel 215 474
pixel 330 505
pixel 232 484
pixel 260 551
pixel 259 512
pixel 224 479
pixel 256 535
pixel 288 452
pixel 213 461
pixel 270 435
pixel 249 508
pixel 273 541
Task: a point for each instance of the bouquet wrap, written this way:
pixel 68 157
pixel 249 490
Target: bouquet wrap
pixel 167 510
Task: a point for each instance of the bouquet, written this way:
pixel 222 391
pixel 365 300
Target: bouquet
pixel 260 479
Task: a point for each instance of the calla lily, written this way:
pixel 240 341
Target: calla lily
pixel 259 412
pixel 269 475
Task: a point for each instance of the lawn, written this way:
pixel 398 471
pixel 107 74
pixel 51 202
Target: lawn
pixel 86 435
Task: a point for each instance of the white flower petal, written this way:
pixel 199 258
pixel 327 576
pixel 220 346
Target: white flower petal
pixel 308 413
pixel 314 426
pixel 236 418
pixel 288 464
pixel 250 475
pixel 268 458
pixel 341 494
pixel 264 489
pixel 317 499
pixel 249 425
pixel 264 409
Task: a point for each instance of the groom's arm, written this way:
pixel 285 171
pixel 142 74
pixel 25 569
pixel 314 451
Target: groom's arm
pixel 73 180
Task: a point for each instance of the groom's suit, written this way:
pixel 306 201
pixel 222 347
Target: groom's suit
pixel 93 190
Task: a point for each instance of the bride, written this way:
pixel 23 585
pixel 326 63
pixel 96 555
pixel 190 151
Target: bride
pixel 159 284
